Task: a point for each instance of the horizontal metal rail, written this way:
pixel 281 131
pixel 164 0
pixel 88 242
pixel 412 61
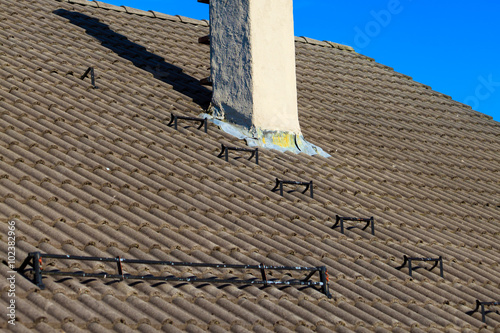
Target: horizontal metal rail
pixel 409 260
pixel 174 118
pixel 341 219
pixel 280 182
pixel 34 259
pixel 225 152
pixel 481 305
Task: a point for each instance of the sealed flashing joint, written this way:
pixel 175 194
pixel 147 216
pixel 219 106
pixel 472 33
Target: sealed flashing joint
pixel 279 140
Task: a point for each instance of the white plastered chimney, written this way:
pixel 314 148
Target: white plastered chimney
pixel 253 73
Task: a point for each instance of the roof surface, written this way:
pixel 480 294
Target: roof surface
pixel 98 172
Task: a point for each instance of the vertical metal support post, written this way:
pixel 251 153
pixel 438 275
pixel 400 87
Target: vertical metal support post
pixel 341 224
pixel 226 153
pixel 372 221
pixel 37 269
pixel 311 188
pixel 25 263
pixel 206 125
pixel 281 188
pixel 409 266
pixel 323 277
pixel 441 270
pixel 257 156
pixel 483 315
pixel 120 269
pixel 263 274
pixel 175 122
pixel 92 77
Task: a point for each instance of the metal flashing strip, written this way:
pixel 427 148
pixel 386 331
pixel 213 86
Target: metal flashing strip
pixel 410 267
pixel 225 152
pixel 341 219
pixel 34 259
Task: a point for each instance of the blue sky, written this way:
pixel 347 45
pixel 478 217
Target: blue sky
pixel 452 46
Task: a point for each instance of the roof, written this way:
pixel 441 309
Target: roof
pixel 98 172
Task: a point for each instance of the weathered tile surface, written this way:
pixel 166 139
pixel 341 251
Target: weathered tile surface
pixel 97 172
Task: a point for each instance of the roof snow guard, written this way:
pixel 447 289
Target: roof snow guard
pixel 34 259
pixel 90 71
pixel 280 182
pixel 409 260
pixel 341 219
pixel 481 305
pixel 225 152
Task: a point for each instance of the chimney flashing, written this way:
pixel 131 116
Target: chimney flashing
pixel 279 140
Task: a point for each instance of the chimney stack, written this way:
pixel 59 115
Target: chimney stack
pixel 253 73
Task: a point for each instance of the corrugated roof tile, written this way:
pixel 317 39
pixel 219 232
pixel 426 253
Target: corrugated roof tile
pixel 98 172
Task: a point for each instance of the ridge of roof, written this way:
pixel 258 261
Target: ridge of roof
pixel 325 43
pixel 130 10
pixel 184 19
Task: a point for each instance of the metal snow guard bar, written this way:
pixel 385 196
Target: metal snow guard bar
pixel 226 149
pixel 482 305
pixel 437 261
pixel 280 182
pixel 174 118
pixel 35 260
pixel 341 219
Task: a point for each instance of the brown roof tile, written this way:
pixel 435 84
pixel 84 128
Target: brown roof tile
pixel 98 172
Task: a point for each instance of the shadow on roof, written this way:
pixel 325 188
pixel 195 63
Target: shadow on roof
pixel 140 57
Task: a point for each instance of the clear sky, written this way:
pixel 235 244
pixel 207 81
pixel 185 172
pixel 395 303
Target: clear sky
pixel 452 46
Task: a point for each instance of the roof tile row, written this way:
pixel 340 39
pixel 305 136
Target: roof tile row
pixel 98 172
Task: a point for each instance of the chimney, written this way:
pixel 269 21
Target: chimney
pixel 253 73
